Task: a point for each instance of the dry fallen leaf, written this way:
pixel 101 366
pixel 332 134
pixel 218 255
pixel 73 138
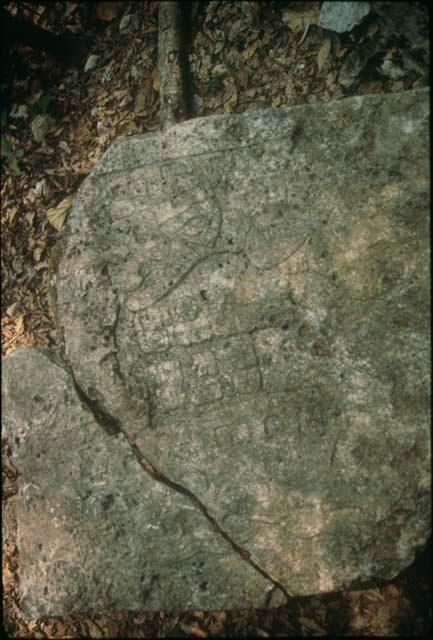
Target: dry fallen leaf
pixel 323 54
pixel 155 84
pixel 311 627
pixel 57 215
pixel 12 213
pixel 298 18
pixel 37 253
pixel 243 74
pixel 70 8
pixel 250 51
pixel 230 98
pixel 19 327
pixel 140 100
pixel 198 614
pixel 107 11
pixel 13 309
pixel 217 622
pixel 373 86
pixel 193 630
pixel 340 52
pixel 290 87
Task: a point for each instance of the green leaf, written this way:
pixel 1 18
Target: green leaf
pixel 41 106
pixel 14 165
pixel 6 147
pixel 44 101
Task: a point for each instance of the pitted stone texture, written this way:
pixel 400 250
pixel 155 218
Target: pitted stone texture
pixel 95 532
pixel 249 296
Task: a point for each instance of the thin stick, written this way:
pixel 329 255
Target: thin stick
pixel 171 64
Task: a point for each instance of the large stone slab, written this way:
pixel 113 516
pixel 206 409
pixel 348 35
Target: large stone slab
pixel 245 304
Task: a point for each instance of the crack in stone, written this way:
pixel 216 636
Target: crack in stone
pixel 103 418
pixel 256 358
pixel 117 368
pixel 113 427
pixel 151 408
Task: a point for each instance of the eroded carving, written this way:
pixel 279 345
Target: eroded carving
pixel 246 312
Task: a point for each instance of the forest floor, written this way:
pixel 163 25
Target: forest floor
pixel 243 56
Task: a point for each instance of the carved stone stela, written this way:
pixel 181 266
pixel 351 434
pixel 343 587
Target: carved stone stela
pixel 244 308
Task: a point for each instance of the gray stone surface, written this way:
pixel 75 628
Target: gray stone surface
pixel 245 305
pixel 95 531
pixel 342 16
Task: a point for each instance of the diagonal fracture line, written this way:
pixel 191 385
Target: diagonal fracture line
pixel 113 427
